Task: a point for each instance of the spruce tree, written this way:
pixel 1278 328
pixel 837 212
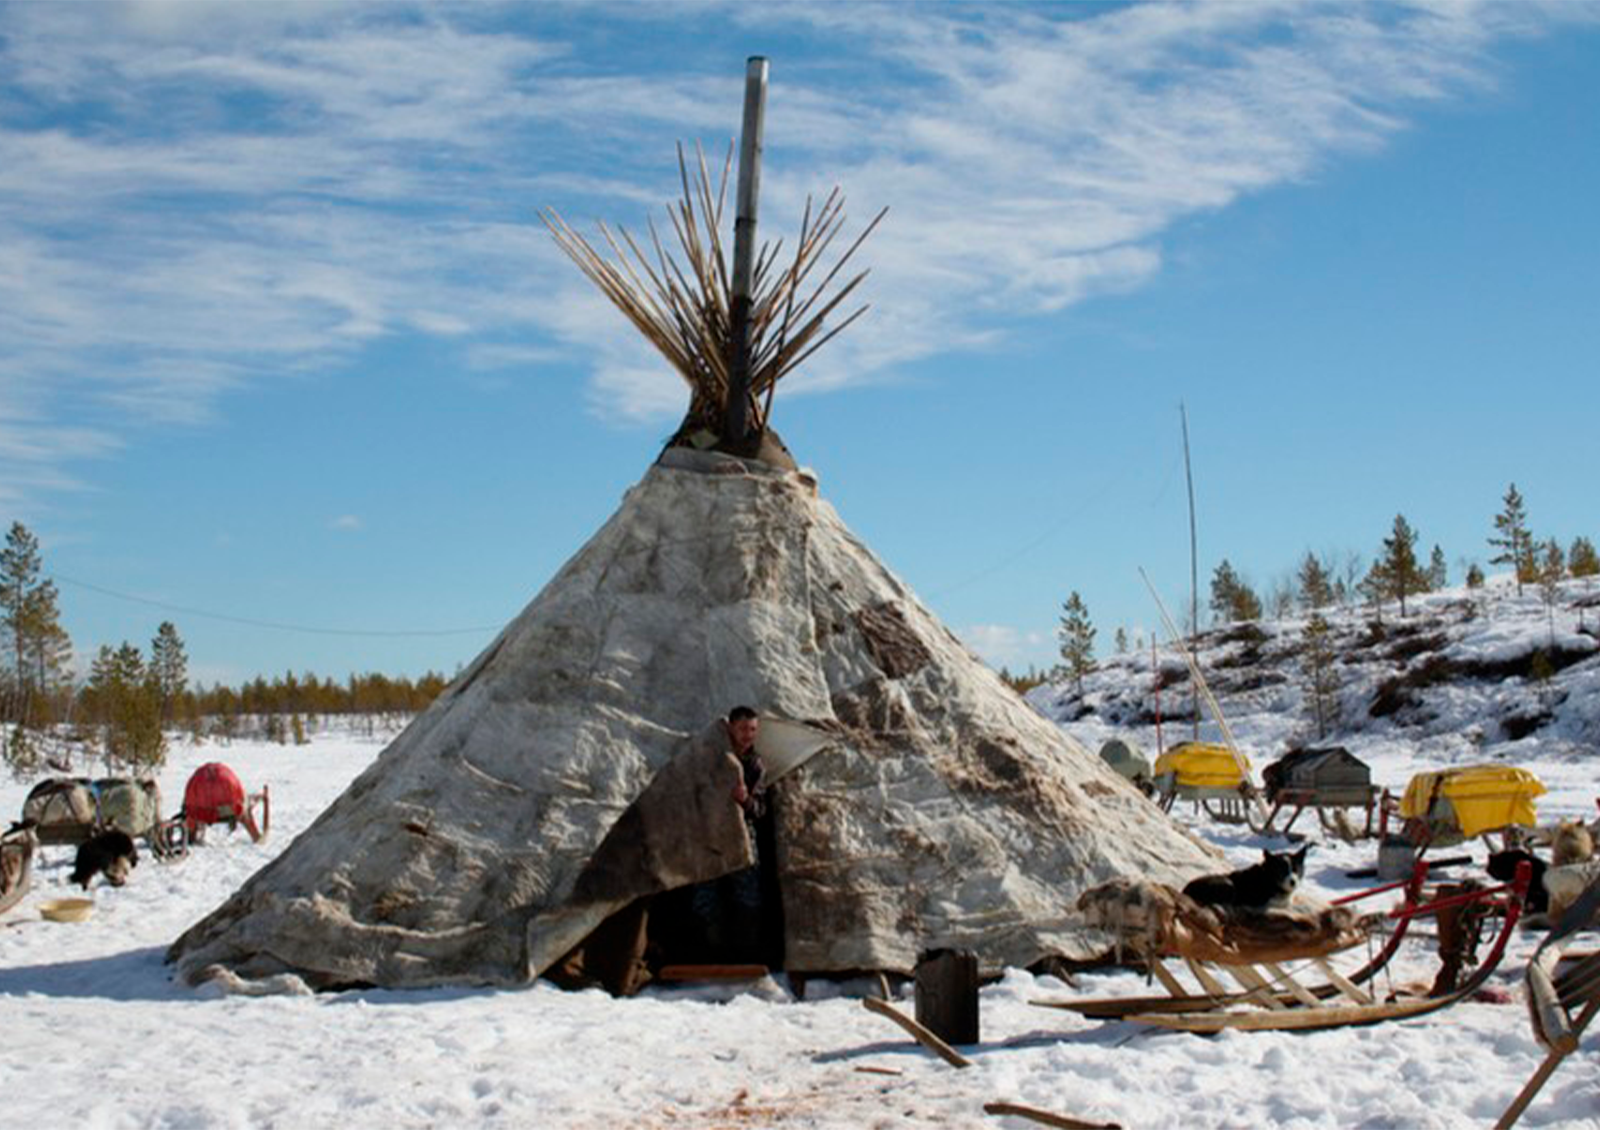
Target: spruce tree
pixel 1581 558
pixel 1280 598
pixel 1121 640
pixel 1232 600
pixel 1438 571
pixel 1077 640
pixel 1375 587
pixel 170 666
pixel 1474 576
pixel 125 700
pixel 1316 588
pixel 34 645
pixel 1552 566
pixel 1512 538
pixel 1400 571
pixel 1317 664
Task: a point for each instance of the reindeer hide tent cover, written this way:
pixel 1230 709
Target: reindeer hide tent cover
pixel 562 776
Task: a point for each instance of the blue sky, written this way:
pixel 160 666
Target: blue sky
pixel 287 358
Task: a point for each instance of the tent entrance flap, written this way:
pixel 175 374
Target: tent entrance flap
pixel 698 884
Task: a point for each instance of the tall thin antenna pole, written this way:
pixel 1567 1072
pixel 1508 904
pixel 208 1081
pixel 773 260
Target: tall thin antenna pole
pixel 1194 561
pixel 736 418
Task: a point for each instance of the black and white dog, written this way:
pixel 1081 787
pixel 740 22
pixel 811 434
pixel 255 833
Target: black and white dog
pixel 111 854
pixel 1503 866
pixel 1257 887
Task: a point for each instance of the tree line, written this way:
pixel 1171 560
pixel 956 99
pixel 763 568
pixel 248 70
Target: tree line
pixel 1396 573
pixel 132 698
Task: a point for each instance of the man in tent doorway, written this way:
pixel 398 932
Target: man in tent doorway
pixel 750 794
pixel 739 910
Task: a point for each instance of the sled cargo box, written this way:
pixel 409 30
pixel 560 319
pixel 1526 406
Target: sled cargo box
pixel 70 810
pixel 1472 800
pixel 1196 770
pixel 1332 776
pixel 130 806
pixel 63 810
pixel 1125 758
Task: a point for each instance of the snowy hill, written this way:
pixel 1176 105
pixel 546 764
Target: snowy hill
pixel 1466 676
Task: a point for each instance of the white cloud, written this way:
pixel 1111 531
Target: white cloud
pixel 385 179
pixel 346 523
pixel 1000 645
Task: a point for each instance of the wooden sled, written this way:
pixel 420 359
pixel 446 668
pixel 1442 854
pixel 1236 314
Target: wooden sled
pixel 1562 998
pixel 16 864
pixel 255 816
pixel 1269 983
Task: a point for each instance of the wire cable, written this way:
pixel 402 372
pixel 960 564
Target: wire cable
pixel 271 624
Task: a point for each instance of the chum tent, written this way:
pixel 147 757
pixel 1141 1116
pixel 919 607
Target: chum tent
pixel 562 777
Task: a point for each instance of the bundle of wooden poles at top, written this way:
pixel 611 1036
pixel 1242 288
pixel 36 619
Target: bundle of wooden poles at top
pixel 731 336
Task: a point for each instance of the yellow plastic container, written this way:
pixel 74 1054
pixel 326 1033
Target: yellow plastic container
pixel 1204 765
pixel 1482 797
pixel 66 910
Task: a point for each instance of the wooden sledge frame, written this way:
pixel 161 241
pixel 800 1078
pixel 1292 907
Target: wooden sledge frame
pixel 171 838
pixel 1282 1002
pixel 1562 1000
pixel 20 843
pixel 1301 799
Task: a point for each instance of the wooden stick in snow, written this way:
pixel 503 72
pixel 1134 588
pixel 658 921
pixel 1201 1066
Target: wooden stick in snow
pixel 1045 1118
pixel 924 1037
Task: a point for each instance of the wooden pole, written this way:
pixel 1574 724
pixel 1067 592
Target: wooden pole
pixel 736 417
pixel 1194 566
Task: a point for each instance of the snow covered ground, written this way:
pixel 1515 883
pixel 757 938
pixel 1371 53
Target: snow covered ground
pixel 96 1034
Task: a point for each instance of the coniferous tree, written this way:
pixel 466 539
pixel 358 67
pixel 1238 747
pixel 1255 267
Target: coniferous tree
pixel 1401 574
pixel 1280 598
pixel 124 698
pixel 1317 664
pixel 34 645
pixel 1513 540
pixel 1552 565
pixel 170 668
pixel 1438 572
pixel 1077 640
pixel 1581 558
pixel 1121 640
pixel 1232 600
pixel 1374 588
pixel 1474 576
pixel 1316 587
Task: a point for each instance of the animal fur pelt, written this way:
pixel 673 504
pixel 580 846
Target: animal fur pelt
pixel 1162 921
pixel 1565 884
pixel 219 980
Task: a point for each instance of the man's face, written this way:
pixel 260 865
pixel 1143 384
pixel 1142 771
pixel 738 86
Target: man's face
pixel 743 733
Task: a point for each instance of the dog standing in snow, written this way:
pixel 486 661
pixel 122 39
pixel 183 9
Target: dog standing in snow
pixel 111 854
